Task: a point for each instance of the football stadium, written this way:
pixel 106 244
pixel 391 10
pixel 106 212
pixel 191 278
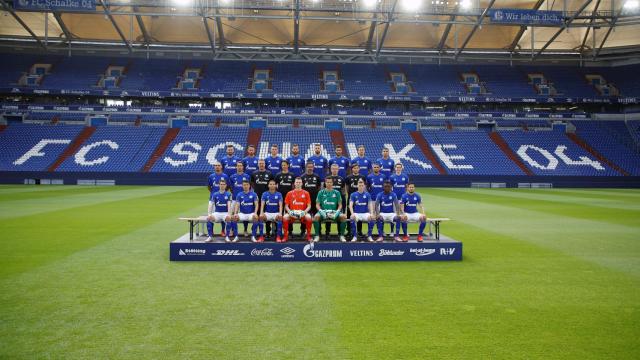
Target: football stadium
pixel 320 179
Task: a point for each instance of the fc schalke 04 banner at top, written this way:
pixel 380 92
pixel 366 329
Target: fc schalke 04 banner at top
pixel 528 17
pixel 66 5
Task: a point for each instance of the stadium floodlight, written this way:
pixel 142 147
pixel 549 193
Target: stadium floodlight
pixel 411 5
pixel 182 3
pixel 369 4
pixel 631 5
pixel 465 4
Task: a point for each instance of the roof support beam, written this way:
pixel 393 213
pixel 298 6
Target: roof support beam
pixel 386 27
pixel 606 36
pixel 372 30
pixel 445 34
pixel 113 22
pixel 564 26
pixel 523 28
pixel 23 24
pixel 211 37
pixel 63 26
pixel 143 29
pixel 473 31
pixel 296 27
pixel 222 42
pixel 586 34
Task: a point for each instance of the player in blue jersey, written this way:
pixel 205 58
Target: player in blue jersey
pixel 364 163
pixel 387 209
pixel 273 161
pixel 399 180
pixel 213 183
pixel 342 162
pixel 375 180
pixel 386 163
pixel 246 209
pixel 412 211
pixel 229 161
pixel 250 161
pixel 361 206
pixel 271 210
pixel 296 161
pixel 238 178
pixel 320 163
pixel 218 210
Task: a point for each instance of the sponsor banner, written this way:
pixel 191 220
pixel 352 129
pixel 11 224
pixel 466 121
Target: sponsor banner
pixel 412 98
pixel 289 111
pixel 526 17
pixel 59 5
pixel 298 251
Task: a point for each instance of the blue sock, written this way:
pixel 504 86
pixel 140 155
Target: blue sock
pixel 246 224
pixel 224 226
pixel 279 228
pixel 370 228
pixel 353 228
pixel 380 228
pixel 404 228
pixel 210 228
pixel 229 227
pixel 397 227
pixel 254 227
pixel 261 228
pixel 421 229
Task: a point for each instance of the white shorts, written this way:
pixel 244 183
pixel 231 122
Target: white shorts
pixel 362 217
pixel 271 216
pixel 413 217
pixel 245 217
pixel 387 217
pixel 219 216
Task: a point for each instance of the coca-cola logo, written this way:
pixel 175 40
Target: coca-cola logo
pixel 262 252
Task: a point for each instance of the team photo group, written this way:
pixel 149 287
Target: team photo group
pixel 273 193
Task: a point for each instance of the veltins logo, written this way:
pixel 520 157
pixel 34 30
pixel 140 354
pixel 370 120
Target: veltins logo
pixel 310 252
pixel 262 252
pixel 222 252
pixel 188 252
pixel 498 15
pixel 422 251
pixel 287 252
pixel 386 252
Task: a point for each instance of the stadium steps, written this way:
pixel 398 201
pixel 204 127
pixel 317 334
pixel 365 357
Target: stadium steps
pixel 499 141
pixel 583 144
pixel 337 138
pixel 166 140
pixel 73 147
pixel 423 144
pixel 253 137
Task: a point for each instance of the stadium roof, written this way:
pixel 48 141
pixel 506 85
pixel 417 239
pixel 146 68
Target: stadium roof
pixel 332 30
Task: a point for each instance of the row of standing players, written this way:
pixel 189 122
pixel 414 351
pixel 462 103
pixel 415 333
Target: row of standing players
pixel 366 177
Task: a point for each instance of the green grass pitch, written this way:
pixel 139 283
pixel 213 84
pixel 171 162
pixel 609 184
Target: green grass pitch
pixel 551 274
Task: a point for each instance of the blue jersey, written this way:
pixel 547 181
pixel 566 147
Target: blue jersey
pixel 319 165
pixel 399 183
pixel 250 164
pixel 343 164
pixel 214 182
pixel 229 164
pixel 272 201
pixel 411 202
pixel 375 183
pixel 386 202
pixel 247 202
pixel 273 163
pixel 296 165
pixel 221 201
pixel 360 202
pixel 364 164
pixel 386 166
pixel 236 182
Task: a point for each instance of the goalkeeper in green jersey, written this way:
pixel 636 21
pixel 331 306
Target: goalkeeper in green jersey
pixel 329 205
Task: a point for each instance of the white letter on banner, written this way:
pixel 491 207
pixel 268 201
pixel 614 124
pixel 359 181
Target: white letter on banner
pixel 81 155
pixel 36 151
pixel 583 159
pixel 447 159
pixel 353 150
pixel 553 162
pixel 192 156
pixel 402 154
pixel 213 152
